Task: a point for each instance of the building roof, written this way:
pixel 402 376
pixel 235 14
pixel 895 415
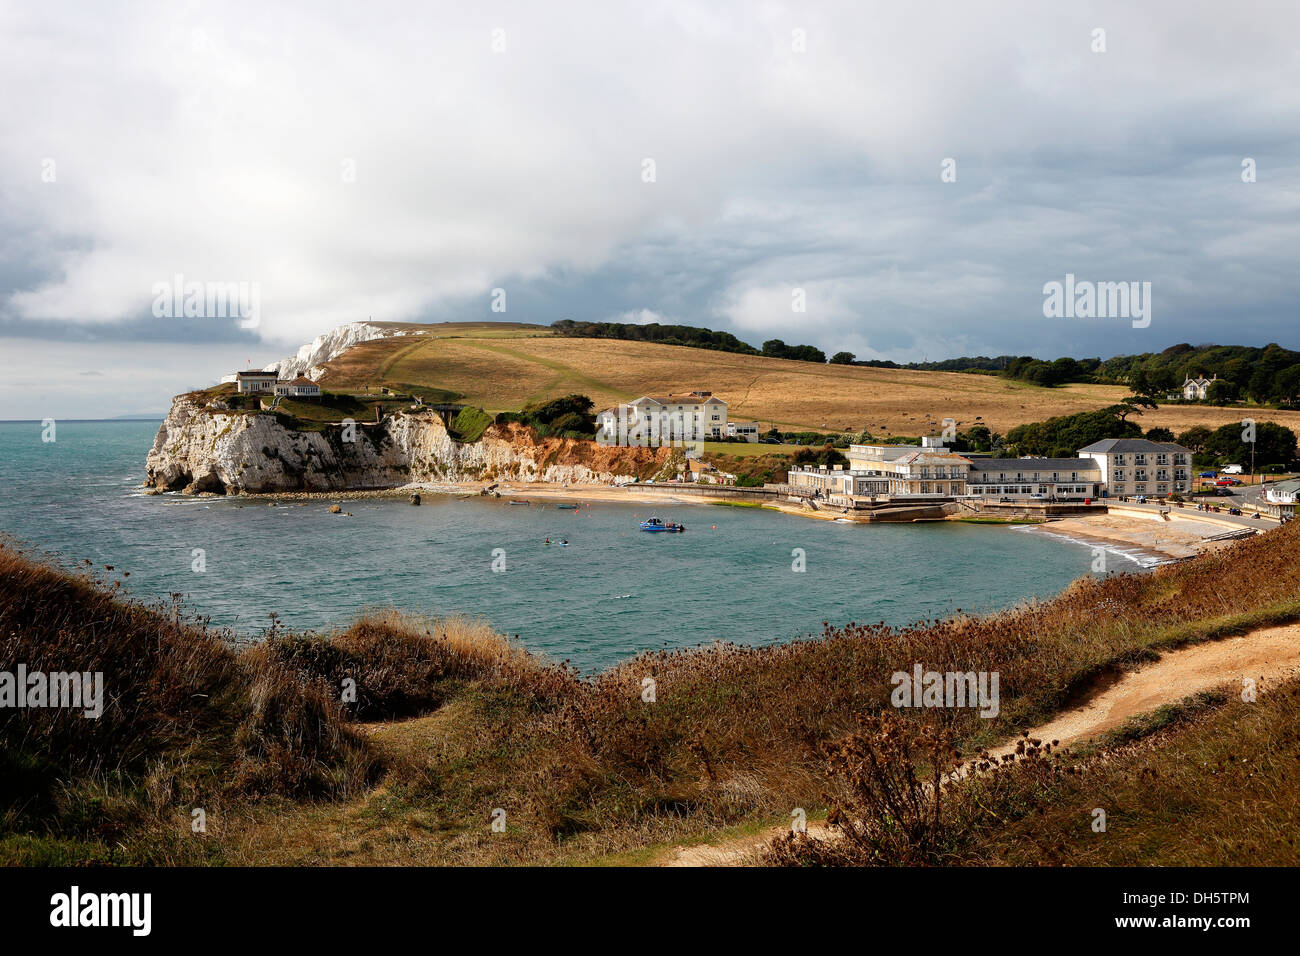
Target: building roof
pixel 256 373
pixel 930 455
pixel 679 400
pixel 1111 445
pixel 300 381
pixel 1034 464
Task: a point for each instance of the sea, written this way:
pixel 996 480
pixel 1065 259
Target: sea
pixel 745 575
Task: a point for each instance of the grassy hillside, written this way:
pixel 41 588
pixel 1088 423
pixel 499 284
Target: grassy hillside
pixel 450 723
pixel 502 367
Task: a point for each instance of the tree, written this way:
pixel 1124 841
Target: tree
pixel 842 358
pixel 1274 445
pixel 1159 434
pixel 1288 384
pixel 1132 405
pixel 1195 438
pixel 1222 392
pixel 775 348
pixel 1063 436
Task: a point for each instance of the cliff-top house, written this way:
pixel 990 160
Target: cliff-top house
pixel 300 387
pixel 693 416
pixel 255 381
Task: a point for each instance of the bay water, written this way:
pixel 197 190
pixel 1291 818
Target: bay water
pixel 612 592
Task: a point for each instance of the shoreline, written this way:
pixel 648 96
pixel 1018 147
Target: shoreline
pixel 1176 540
pixel 518 490
pixel 1134 536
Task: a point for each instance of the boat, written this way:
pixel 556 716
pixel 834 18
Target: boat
pixel 656 524
pixel 524 503
pixel 567 507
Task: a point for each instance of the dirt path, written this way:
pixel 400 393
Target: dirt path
pixel 1268 655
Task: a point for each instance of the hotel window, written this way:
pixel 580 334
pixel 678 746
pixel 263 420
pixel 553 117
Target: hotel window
pixel 1119 474
pixel 1139 459
pixel 1180 459
pixel 1162 459
pixel 1161 489
pixel 1140 487
pixel 1119 489
pixel 1139 474
pixel 1162 474
pixel 1119 459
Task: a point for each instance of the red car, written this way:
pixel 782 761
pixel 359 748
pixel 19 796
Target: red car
pixel 1227 482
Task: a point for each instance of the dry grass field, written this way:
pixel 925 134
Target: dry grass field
pixel 501 367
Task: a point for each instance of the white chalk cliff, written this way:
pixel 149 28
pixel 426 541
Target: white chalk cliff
pixel 206 448
pixel 311 358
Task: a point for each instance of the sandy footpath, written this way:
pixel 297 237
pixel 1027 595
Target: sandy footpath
pixel 1270 656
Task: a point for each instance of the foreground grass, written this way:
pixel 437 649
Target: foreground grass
pixel 450 723
pixel 1205 782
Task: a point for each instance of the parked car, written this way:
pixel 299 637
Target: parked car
pixel 769 441
pixel 1232 469
pixel 1227 482
pixel 1207 474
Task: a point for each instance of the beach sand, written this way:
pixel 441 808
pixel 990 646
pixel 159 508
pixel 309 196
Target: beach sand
pixel 1176 538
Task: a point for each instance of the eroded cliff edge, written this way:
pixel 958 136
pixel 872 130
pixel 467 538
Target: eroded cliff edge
pixel 200 448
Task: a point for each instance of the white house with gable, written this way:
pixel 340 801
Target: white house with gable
pixel 659 419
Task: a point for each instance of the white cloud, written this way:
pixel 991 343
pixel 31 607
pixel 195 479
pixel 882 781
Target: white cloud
pixel 213 141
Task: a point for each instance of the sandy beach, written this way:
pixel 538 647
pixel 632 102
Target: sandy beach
pixel 1176 538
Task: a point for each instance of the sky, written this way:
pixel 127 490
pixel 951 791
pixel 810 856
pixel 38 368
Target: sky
pixel 900 181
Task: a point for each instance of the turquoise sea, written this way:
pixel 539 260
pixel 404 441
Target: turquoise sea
pixel 612 592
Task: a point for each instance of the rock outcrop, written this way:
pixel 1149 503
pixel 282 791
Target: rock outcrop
pixel 201 448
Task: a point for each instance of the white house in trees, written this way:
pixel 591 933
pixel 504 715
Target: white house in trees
pixel 1197 389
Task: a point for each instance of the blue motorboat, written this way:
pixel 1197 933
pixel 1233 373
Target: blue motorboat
pixel 657 524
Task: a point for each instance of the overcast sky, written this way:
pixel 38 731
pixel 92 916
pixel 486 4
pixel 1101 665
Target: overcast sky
pixel 391 161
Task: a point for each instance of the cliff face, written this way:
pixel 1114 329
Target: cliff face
pixel 203 449
pixel 311 358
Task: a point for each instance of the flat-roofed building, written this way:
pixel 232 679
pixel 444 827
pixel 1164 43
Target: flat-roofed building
pixel 1060 478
